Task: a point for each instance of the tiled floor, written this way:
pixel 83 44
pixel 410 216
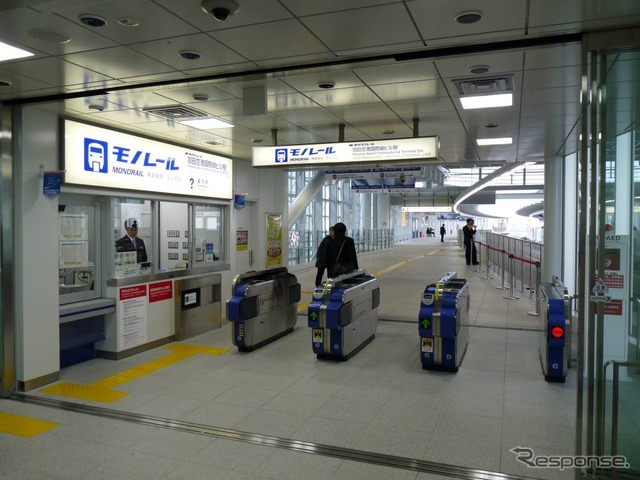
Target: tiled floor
pixel 379 401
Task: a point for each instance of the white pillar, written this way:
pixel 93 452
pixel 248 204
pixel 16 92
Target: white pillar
pixel 383 219
pixel 553 214
pixel 366 210
pixel 624 182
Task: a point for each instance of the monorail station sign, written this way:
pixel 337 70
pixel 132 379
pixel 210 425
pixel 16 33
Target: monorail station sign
pixel 105 158
pixel 378 151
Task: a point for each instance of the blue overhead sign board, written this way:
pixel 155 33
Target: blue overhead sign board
pixel 104 158
pixel 405 149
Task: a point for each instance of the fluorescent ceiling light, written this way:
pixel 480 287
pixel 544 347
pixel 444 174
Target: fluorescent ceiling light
pixel 495 141
pixel 487 101
pixel 206 123
pixel 7 52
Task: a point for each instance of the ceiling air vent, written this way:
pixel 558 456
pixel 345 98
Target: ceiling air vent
pixel 175 112
pixel 479 86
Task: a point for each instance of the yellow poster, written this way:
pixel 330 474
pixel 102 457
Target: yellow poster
pixel 274 239
pixel 242 240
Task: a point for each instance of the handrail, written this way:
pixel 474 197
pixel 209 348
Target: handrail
pixel 614 401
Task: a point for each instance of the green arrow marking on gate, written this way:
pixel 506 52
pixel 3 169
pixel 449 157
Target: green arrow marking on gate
pixel 425 323
pixel 313 316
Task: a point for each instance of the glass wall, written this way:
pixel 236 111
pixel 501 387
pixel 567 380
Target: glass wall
pixel 609 405
pixel 132 237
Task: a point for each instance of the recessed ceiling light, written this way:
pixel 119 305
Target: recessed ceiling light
pixel 388 132
pixel 190 54
pixel 92 20
pixel 491 125
pixel 487 101
pixel 471 16
pixel 206 123
pixel 96 107
pixel 49 36
pixel 256 140
pixel 7 52
pixel 327 84
pixel 128 22
pixel 479 69
pixel 200 97
pixel 5 82
pixel 495 141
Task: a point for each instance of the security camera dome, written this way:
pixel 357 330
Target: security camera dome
pixel 220 9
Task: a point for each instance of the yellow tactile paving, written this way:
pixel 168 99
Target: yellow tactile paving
pixel 24 426
pixel 101 390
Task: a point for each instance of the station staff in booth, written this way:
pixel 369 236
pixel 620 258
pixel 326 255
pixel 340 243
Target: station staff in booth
pixel 470 253
pixel 131 243
pixel 341 254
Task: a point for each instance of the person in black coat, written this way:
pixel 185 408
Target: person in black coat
pixel 131 243
pixel 470 253
pixel 320 256
pixel 443 230
pixel 340 254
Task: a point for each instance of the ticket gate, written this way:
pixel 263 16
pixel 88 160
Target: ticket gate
pixel 554 346
pixel 263 308
pixel 343 315
pixel 443 323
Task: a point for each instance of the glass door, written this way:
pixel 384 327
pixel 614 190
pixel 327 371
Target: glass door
pixel 608 425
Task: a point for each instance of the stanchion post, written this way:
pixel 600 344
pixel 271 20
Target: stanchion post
pixel 512 261
pixel 503 269
pixel 536 313
pixel 488 275
pixel 479 255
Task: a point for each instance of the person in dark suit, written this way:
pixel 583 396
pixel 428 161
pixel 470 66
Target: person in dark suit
pixel 470 253
pixel 340 254
pixel 131 243
pixel 443 230
pixel 320 256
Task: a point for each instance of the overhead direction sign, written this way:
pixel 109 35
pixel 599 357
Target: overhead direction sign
pixel 378 151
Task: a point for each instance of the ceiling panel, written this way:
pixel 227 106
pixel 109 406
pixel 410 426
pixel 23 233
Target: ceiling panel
pixel 356 112
pixel 154 21
pixel 118 62
pixel 167 51
pixel 286 38
pixel 398 72
pixel 304 7
pixel 500 18
pixel 59 72
pixel 368 27
pixel 409 90
pixel 498 63
pixel 545 16
pixel 309 83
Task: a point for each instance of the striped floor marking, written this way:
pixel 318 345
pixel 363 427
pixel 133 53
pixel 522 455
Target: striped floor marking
pixel 101 390
pixel 21 426
pixel 302 306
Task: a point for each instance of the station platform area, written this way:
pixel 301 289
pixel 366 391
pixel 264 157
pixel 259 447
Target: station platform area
pixel 200 409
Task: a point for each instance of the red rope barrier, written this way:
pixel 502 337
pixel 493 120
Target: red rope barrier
pixel 524 260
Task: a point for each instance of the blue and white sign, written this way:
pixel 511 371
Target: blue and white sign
pixel 104 158
pixel 422 148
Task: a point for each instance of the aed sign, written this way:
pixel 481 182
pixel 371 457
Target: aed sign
pixel 103 158
pixel 347 152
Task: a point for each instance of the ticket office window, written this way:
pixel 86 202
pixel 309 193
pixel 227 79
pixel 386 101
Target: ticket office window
pixel 78 249
pixel 133 242
pixel 208 241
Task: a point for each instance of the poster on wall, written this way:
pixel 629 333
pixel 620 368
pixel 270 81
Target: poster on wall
pixel 616 310
pixel 132 316
pixel 242 240
pixel 125 264
pixel 274 239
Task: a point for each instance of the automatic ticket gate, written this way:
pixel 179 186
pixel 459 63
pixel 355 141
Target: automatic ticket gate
pixel 263 308
pixel 554 346
pixel 443 323
pixel 343 315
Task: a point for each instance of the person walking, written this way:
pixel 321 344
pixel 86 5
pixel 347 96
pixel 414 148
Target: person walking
pixel 321 256
pixel 470 253
pixel 341 254
pixel 443 230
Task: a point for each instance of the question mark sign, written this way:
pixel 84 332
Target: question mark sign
pixel 191 180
